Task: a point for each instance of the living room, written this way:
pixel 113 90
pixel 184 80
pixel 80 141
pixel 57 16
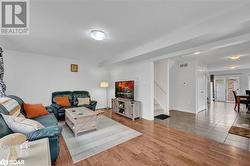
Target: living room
pixel 95 61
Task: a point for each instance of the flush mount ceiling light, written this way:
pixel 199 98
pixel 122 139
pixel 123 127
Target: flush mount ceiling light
pixel 234 57
pixel 232 67
pixel 197 53
pixel 97 34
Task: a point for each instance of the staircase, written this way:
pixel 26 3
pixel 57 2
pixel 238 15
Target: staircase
pixel 157 108
pixel 159 99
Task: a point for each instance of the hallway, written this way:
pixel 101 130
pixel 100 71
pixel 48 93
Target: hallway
pixel 213 124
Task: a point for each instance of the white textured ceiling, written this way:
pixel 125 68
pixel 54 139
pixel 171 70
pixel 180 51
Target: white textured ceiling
pixel 217 58
pixel 137 29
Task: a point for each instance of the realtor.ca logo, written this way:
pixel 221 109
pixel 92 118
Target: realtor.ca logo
pixel 14 17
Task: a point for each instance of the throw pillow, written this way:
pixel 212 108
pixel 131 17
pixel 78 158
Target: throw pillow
pixel 21 115
pixel 21 125
pixel 34 110
pixel 83 101
pixel 63 101
pixel 11 105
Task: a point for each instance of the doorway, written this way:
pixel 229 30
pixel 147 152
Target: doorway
pixel 202 90
pixel 224 88
pixel 220 89
pixel 161 87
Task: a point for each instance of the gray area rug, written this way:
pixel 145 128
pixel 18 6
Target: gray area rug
pixel 109 133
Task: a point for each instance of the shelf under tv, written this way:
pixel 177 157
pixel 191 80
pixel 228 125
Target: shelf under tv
pixel 130 108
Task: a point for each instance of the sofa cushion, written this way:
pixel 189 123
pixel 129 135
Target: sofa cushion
pixel 87 106
pixel 60 94
pixel 83 100
pixel 34 110
pixel 19 100
pixel 63 108
pixel 47 120
pixel 63 101
pixel 79 94
pixel 10 105
pixel 21 125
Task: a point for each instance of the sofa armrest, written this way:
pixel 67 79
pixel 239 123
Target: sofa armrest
pixel 53 131
pixel 51 109
pixel 56 106
pixel 93 103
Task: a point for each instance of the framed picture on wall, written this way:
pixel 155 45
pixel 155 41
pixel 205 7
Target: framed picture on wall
pixel 74 67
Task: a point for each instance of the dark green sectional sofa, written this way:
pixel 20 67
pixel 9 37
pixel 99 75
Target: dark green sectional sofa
pixel 59 111
pixel 52 130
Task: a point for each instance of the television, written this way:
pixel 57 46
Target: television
pixel 124 89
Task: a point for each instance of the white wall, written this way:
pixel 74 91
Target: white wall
pixel 161 84
pixel 143 75
pixel 34 77
pixel 184 86
pixel 244 82
pixel 249 81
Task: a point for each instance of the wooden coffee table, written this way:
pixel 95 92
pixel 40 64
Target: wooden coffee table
pixel 80 119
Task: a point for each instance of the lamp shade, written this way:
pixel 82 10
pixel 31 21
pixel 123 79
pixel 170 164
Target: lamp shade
pixel 104 84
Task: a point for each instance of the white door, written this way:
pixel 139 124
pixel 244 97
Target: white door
pixel 202 96
pixel 220 88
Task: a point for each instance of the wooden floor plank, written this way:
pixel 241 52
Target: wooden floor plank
pixel 160 145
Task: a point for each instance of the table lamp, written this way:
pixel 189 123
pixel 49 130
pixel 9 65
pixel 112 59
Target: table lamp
pixel 105 84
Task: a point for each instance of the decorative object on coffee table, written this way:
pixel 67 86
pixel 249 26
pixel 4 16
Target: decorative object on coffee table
pixel 105 84
pixel 80 119
pixel 10 141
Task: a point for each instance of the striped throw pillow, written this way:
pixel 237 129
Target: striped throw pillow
pixel 11 106
pixel 21 125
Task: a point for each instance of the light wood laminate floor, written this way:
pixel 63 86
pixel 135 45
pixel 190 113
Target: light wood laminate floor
pixel 160 145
